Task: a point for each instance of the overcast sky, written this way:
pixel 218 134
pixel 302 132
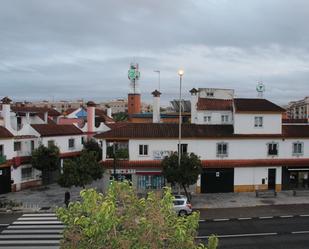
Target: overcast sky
pixel 69 49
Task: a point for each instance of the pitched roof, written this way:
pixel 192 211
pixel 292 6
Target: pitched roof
pixel 51 112
pixel 256 105
pixel 169 130
pixel 214 104
pixel 103 116
pixel 49 130
pixel 5 133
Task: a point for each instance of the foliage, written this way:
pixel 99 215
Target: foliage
pixel 185 175
pixel 92 145
pixel 121 116
pixel 120 220
pixel 46 159
pixel 81 171
pixel 121 153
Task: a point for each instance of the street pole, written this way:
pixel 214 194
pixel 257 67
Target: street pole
pixel 180 73
pixel 114 153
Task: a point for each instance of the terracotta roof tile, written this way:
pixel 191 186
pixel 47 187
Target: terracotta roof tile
pixel 256 105
pixel 215 104
pixel 49 130
pixel 5 133
pixel 169 130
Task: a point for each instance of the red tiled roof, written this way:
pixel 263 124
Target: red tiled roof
pixel 215 104
pixel 51 112
pixel 103 116
pixel 256 105
pixel 294 121
pixel 169 130
pixel 156 164
pixel 5 133
pixel 49 130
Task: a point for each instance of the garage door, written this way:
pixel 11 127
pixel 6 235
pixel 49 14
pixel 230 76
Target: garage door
pixel 217 181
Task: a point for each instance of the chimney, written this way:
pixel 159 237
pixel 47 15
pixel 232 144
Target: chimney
pixel 194 99
pixel 90 116
pixel 156 107
pixel 109 111
pixel 6 112
pixel 45 117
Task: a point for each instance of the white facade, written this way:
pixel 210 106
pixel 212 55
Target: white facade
pixel 244 123
pixel 216 93
pixel 214 117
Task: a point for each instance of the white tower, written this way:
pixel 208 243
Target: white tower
pixel 260 88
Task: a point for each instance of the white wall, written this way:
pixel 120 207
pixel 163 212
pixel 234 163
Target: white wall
pixel 215 117
pixel 254 175
pixel 244 123
pixel 206 149
pixel 16 175
pixel 8 149
pixel 218 93
pixel 63 143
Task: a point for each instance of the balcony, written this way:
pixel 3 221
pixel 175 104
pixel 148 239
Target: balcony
pixel 2 159
pixel 121 151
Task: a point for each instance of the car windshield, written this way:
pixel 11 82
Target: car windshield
pixel 178 203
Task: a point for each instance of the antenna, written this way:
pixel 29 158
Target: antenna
pixel 159 79
pixel 260 88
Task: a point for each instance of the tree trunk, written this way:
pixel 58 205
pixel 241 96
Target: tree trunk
pixel 186 192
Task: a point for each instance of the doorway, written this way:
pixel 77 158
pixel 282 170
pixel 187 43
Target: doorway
pixel 271 179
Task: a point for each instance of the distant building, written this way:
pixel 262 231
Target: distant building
pixel 298 109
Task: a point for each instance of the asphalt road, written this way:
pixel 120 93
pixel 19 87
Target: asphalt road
pixel 259 233
pixel 7 218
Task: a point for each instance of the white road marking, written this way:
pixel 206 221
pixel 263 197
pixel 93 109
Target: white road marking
pixel 37 222
pixel 202 220
pixel 286 216
pixel 34 242
pixel 300 232
pixel 40 214
pixel 36 226
pixel 304 215
pixel 221 219
pixel 244 218
pixel 266 217
pixel 239 235
pixel 22 231
pixel 4 225
pixel 38 218
pixel 32 247
pixel 30 236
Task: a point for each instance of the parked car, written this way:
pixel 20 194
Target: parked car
pixel 176 196
pixel 182 207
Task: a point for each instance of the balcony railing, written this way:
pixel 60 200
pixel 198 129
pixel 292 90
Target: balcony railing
pixel 2 159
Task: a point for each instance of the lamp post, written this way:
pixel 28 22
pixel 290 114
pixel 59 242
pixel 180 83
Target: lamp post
pixel 159 75
pixel 180 73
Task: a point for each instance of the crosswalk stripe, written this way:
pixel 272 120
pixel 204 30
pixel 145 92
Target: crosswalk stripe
pixel 37 222
pixel 33 231
pixel 38 218
pixel 40 214
pixel 22 231
pixel 35 226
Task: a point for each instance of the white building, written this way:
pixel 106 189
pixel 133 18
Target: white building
pixel 298 109
pixel 252 150
pixel 22 129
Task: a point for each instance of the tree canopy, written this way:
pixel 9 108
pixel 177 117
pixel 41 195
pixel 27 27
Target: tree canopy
pixel 92 145
pixel 46 159
pixel 120 220
pixel 81 171
pixel 186 174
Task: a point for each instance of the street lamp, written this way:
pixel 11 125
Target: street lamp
pixel 180 73
pixel 158 72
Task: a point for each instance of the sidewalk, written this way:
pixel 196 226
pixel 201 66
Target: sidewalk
pixel 237 200
pixel 45 198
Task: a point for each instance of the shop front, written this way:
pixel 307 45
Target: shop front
pixel 295 178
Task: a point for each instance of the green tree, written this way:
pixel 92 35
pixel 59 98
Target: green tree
pixel 185 175
pixel 120 220
pixel 92 145
pixel 80 171
pixel 46 159
pixel 120 117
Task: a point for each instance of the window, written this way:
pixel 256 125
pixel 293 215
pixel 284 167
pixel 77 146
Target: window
pixel 19 124
pixel 143 150
pixel 298 148
pixel 1 150
pixel 71 143
pixel 258 121
pixel 82 140
pixel 26 173
pixel 184 148
pixel 150 182
pixel 224 118
pixel 207 119
pixel 50 143
pixel 222 149
pixel 17 146
pixel 210 94
pixel 273 149
pixel 32 145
